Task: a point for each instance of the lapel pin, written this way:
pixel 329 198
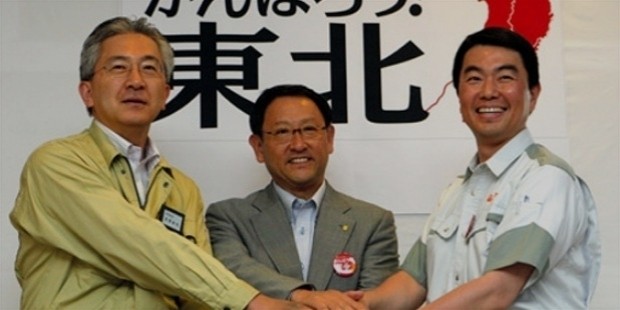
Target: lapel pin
pixel 344 227
pixel 344 264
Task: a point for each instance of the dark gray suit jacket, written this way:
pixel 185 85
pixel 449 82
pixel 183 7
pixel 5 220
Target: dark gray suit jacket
pixel 254 239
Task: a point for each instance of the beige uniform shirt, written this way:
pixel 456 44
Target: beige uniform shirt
pixel 523 205
pixel 86 243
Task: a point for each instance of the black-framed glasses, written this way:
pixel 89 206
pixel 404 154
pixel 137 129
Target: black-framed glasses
pixel 285 134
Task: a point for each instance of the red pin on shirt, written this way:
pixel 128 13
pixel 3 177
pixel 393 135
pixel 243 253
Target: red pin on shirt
pixel 344 264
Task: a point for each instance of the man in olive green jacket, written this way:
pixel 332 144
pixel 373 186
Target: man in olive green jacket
pixel 104 221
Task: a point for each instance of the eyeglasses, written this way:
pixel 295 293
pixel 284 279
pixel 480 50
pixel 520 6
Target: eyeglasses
pixel 284 134
pixel 121 68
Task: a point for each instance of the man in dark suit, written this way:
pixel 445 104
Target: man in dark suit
pixel 299 238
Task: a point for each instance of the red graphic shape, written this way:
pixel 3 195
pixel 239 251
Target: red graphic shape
pixel 530 18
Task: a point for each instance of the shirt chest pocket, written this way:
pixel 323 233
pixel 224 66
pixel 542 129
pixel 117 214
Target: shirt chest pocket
pixel 495 216
pixel 493 220
pixel 440 239
pixel 445 228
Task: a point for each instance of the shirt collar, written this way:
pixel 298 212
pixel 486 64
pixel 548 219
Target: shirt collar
pixel 288 198
pixel 501 160
pixel 134 153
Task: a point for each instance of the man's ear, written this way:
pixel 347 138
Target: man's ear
pixel 331 132
pixel 86 93
pixel 534 93
pixel 256 142
pixel 167 90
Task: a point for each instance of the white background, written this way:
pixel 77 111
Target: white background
pixel 577 117
pixel 383 163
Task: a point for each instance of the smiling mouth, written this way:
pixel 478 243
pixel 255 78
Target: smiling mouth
pixel 300 160
pixel 491 110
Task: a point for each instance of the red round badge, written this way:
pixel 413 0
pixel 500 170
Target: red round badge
pixel 344 264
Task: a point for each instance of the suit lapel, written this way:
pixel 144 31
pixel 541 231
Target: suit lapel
pixel 333 230
pixel 273 229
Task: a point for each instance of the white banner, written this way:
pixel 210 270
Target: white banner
pixel 383 65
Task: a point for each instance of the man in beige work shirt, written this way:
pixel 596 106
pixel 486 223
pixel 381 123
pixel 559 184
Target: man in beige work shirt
pixel 104 221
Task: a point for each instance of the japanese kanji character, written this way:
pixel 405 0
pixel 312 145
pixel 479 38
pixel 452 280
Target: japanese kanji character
pixel 338 70
pixel 373 64
pixel 208 84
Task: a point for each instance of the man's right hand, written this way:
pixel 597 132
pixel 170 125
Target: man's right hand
pixel 330 299
pixel 262 302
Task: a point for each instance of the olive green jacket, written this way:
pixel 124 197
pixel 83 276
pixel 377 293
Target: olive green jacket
pixel 86 243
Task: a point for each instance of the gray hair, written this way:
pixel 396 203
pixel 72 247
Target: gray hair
pixel 91 49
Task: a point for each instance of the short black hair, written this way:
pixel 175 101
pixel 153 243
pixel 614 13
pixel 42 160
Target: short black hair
pixel 502 37
pixel 257 115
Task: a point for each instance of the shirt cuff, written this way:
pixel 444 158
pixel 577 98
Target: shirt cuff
pixel 238 297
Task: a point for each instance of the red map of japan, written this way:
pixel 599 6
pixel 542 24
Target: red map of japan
pixel 530 18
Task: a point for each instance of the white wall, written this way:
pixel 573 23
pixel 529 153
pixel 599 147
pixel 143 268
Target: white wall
pixel 39 48
pixel 591 34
